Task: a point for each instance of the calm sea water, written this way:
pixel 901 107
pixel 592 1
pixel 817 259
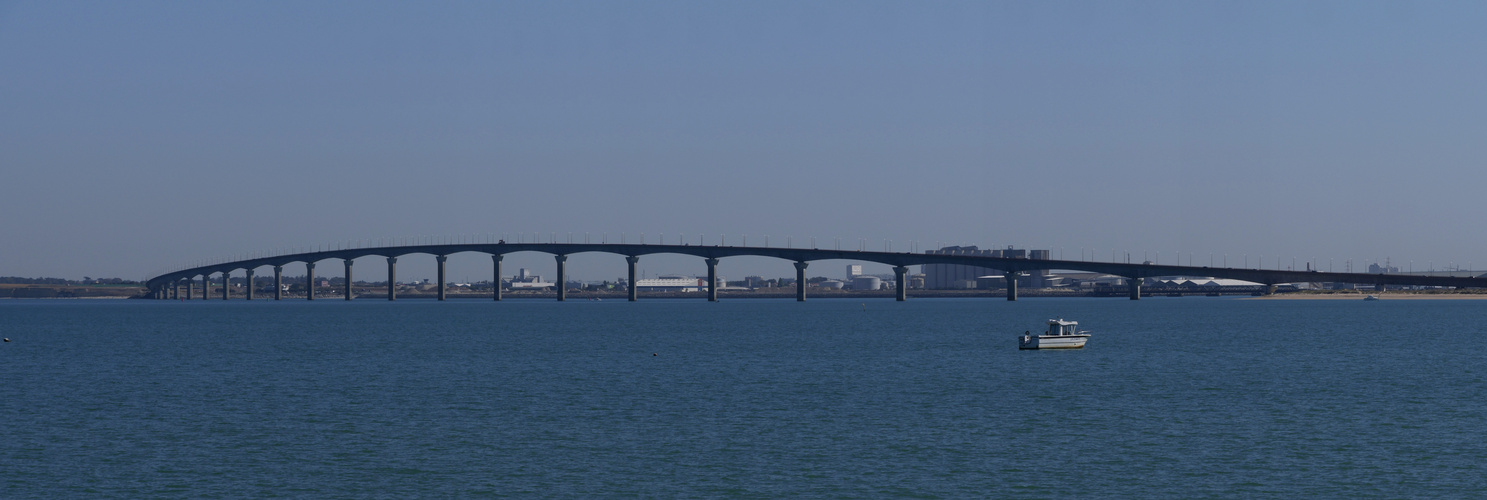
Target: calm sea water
pixel 1174 397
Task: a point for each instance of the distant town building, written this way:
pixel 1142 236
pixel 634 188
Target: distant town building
pixel 525 280
pixel 1386 268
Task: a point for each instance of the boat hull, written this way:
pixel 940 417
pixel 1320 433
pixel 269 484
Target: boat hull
pixel 1052 341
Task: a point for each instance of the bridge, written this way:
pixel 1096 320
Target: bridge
pixel 168 285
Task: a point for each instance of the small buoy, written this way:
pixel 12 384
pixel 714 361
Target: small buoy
pixel 653 354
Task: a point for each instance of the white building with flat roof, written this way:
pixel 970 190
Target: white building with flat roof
pixel 671 284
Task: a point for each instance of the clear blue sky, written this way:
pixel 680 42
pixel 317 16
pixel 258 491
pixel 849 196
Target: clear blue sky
pixel 138 136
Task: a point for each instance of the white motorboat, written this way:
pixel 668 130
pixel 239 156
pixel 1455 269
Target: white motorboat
pixel 1060 335
pixel 1371 297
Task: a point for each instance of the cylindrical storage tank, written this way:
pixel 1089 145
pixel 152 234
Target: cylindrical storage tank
pixel 866 283
pixel 834 284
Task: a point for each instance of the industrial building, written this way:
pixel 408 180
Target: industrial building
pixel 955 276
pixel 525 280
pixel 676 283
pixel 853 271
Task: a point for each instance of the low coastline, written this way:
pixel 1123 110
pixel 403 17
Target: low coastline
pixel 1474 295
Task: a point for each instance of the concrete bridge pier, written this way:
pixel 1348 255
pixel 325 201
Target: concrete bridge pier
pixel 712 280
pixel 800 281
pixel 226 292
pixel 278 282
pixel 175 290
pixel 1376 288
pixel 392 278
pixel 901 282
pixel 441 259
pixel 250 284
pixel 190 288
pixel 632 260
pixel 1011 279
pixel 348 278
pixel 1135 285
pixel 1270 289
pixel 309 281
pixel 496 259
pixel 206 286
pixel 562 278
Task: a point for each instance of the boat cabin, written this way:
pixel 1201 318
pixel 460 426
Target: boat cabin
pixel 1061 327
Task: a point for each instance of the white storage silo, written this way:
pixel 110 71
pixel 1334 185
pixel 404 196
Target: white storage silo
pixel 866 283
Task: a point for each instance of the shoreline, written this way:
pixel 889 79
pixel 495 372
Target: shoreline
pixel 1380 295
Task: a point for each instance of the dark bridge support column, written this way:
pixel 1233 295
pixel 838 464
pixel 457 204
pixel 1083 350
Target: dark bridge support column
pixel 348 278
pixel 1135 285
pixel 562 278
pixel 497 281
pixel 392 278
pixel 441 259
pixel 175 289
pixel 226 292
pixel 900 279
pixel 250 284
pixel 309 281
pixel 632 260
pixel 1270 289
pixel 1011 279
pixel 206 286
pixel 278 282
pixel 800 281
pixel 712 280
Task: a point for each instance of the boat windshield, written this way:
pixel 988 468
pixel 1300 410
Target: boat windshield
pixel 1061 327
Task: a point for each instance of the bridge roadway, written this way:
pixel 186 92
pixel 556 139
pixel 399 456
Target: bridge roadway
pixel 168 285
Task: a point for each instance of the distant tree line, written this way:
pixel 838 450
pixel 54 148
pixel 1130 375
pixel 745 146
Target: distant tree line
pixel 16 280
